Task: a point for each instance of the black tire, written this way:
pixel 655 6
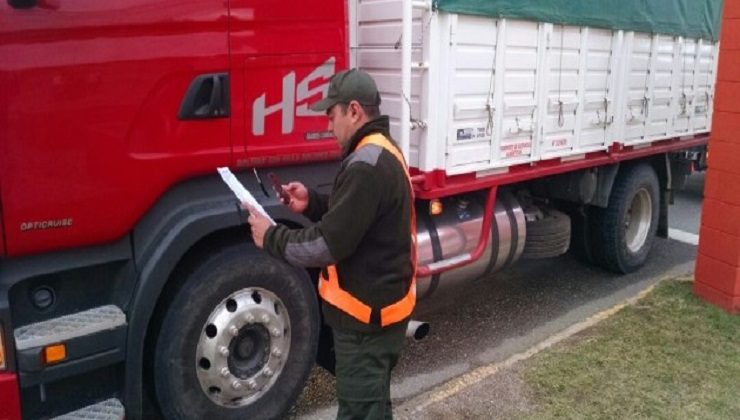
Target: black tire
pixel 226 274
pixel 548 237
pixel 611 226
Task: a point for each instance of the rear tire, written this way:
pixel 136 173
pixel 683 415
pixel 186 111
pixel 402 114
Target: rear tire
pixel 625 229
pixel 548 237
pixel 238 339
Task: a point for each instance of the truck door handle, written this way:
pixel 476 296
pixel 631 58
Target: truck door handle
pixel 27 4
pixel 206 97
pixel 22 4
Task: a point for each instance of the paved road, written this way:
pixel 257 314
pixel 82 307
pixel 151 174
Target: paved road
pixel 686 211
pixel 509 312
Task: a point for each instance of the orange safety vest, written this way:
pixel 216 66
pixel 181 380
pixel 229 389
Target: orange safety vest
pixel 333 294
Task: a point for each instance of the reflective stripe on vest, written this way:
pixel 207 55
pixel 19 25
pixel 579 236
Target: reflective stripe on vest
pixel 332 292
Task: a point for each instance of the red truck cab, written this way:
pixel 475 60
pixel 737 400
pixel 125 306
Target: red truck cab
pixel 113 119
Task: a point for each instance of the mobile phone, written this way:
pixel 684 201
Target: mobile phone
pixel 277 185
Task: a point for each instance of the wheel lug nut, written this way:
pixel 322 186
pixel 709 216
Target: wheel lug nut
pixel 224 351
pixel 276 352
pixel 225 372
pixel 249 318
pixel 267 372
pixel 233 331
pixel 265 318
pixel 275 332
pixel 252 384
pixel 236 385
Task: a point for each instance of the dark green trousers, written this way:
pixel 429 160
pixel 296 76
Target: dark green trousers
pixel 363 370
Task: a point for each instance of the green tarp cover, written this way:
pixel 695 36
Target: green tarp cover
pixel 690 18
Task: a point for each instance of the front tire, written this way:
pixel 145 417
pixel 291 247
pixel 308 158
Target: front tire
pixel 625 229
pixel 238 339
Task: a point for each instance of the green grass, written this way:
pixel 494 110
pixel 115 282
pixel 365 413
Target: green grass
pixel 670 356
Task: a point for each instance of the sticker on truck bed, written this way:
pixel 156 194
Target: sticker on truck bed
pixel 472 133
pixel 516 149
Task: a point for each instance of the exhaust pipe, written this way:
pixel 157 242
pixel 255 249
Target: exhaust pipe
pixel 417 330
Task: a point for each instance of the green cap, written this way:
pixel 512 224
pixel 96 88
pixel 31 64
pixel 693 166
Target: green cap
pixel 347 86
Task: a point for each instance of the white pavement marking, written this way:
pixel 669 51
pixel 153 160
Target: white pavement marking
pixel 683 236
pixel 463 382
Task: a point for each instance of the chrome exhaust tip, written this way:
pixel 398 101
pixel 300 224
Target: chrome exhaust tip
pixel 417 330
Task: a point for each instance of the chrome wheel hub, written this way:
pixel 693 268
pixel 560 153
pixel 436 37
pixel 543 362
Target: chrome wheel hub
pixel 638 220
pixel 243 347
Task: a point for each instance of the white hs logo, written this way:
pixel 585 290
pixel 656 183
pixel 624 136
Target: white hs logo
pixel 287 107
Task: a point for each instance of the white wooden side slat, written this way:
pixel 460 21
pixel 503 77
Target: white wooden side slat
pixel 492 90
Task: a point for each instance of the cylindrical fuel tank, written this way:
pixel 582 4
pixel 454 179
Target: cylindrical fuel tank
pixel 457 231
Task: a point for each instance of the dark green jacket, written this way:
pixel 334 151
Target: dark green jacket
pixel 362 228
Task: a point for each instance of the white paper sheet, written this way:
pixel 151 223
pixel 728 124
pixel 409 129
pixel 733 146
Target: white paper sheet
pixel 241 193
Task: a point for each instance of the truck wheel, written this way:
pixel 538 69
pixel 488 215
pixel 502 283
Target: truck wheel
pixel 238 339
pixel 547 237
pixel 626 229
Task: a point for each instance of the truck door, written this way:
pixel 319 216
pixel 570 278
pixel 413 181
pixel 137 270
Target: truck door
pixel 92 126
pixel 282 59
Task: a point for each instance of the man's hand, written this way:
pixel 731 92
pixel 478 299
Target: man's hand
pixel 298 197
pixel 258 223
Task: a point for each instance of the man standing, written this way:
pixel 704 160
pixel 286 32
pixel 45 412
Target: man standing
pixel 364 236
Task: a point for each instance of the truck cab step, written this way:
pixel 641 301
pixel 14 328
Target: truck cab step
pixel 67 327
pixel 110 409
